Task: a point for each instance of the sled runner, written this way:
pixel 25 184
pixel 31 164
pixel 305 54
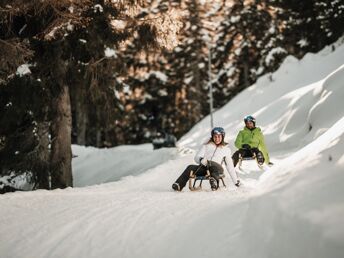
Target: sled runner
pixel 250 155
pixel 193 180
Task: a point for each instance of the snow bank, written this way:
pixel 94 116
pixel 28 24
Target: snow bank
pixel 96 166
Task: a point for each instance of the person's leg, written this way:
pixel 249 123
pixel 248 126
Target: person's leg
pixel 246 153
pixel 235 157
pixel 241 152
pixel 216 170
pixel 202 171
pixel 184 177
pixel 259 155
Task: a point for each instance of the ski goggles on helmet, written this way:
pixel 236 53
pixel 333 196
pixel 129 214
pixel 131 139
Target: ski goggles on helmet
pixel 218 130
pixel 249 118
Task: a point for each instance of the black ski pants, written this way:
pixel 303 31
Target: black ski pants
pixel 215 170
pixel 245 153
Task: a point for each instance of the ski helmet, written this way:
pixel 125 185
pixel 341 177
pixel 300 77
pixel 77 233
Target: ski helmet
pixel 250 118
pixel 218 130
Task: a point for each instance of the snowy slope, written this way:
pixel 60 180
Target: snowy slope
pixel 96 166
pixel 280 105
pixel 294 209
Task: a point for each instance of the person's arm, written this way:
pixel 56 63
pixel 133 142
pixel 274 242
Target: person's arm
pixel 200 154
pixel 238 140
pixel 230 167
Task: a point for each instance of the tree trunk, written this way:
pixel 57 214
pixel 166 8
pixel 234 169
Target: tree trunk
pixel 43 171
pixel 246 74
pixel 81 120
pixel 99 143
pixel 246 65
pixel 61 153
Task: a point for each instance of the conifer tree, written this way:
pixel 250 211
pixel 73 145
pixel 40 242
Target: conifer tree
pixel 247 43
pixel 308 26
pixel 51 36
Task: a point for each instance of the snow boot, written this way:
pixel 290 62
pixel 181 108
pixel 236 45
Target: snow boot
pixel 213 183
pixel 176 187
pixel 260 158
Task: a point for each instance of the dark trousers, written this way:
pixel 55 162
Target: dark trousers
pixel 246 153
pixel 215 170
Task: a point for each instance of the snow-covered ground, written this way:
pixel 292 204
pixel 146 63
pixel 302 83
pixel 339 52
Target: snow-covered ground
pixel 123 205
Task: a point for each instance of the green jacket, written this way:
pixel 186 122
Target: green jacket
pixel 253 138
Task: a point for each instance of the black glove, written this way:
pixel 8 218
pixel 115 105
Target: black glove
pixel 246 146
pixel 238 183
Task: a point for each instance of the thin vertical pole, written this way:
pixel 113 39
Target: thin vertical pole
pixel 210 88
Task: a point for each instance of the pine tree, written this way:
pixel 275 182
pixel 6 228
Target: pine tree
pixel 148 96
pixel 187 70
pixel 247 43
pixel 52 33
pixel 309 25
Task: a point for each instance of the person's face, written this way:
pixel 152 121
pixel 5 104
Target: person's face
pixel 249 124
pixel 217 138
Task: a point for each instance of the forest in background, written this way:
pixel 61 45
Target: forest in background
pixel 105 73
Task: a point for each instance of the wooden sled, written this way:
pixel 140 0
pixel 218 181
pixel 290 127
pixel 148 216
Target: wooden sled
pixel 253 157
pixel 193 180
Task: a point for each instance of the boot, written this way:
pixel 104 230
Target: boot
pixel 176 187
pixel 260 158
pixel 213 183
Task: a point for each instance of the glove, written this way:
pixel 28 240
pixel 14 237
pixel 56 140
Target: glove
pixel 204 162
pixel 246 146
pixel 238 183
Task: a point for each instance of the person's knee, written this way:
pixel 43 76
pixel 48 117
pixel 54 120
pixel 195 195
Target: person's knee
pixel 255 150
pixel 217 169
pixel 242 152
pixel 235 157
pixel 215 165
pixel 217 175
pixel 235 154
pixel 220 170
pixel 189 167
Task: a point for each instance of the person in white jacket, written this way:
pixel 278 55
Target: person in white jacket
pixel 211 156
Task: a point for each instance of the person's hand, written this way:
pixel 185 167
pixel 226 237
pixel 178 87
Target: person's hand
pixel 204 162
pixel 270 164
pixel 246 146
pixel 238 183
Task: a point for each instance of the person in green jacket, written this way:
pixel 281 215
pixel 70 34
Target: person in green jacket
pixel 251 140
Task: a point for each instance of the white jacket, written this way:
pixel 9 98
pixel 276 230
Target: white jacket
pixel 220 154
